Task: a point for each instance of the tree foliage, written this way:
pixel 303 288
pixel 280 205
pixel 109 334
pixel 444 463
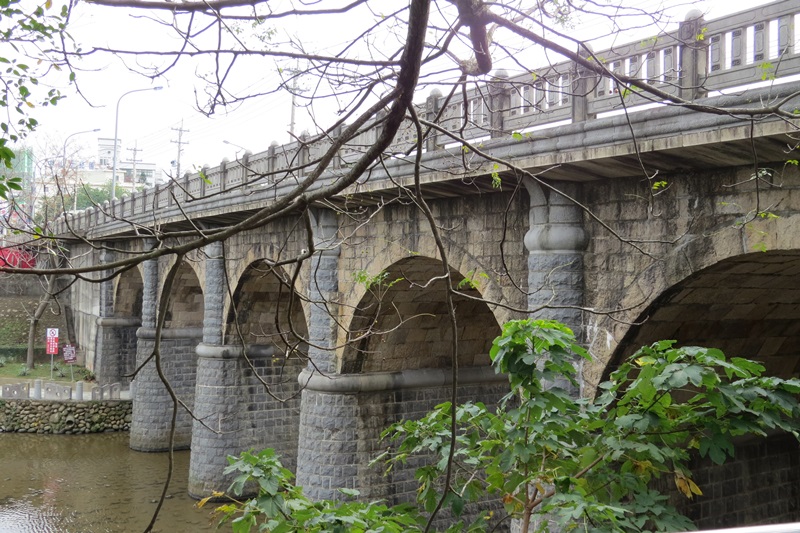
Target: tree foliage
pixel 548 456
pixel 28 31
pixel 65 200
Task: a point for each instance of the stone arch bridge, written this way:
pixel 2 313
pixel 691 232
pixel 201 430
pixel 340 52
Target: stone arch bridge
pixel 686 226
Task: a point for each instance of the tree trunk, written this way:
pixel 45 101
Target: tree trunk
pixel 37 315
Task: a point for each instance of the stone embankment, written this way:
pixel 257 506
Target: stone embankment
pixel 56 408
pixel 42 416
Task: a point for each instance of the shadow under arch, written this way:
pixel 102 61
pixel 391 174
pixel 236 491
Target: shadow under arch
pixel 397 366
pixel 185 307
pixel 747 306
pixel 402 322
pixel 128 296
pixel 265 311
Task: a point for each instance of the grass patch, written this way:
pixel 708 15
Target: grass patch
pixel 15 312
pixel 13 368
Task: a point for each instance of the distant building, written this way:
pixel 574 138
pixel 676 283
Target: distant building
pixel 65 175
pixel 131 174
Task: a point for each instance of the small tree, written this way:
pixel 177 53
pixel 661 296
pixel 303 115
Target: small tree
pixel 588 463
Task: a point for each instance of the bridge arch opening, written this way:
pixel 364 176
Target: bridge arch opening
pixel 185 308
pixel 402 331
pixel 266 321
pixel 183 331
pixel 265 311
pixel 128 298
pixel 402 322
pixel 128 305
pixel 748 306
pixel 117 343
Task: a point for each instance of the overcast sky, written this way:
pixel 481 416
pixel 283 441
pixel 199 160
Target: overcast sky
pixel 150 119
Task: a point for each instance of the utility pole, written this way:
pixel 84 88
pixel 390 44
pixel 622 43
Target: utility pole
pixel 180 142
pixel 134 160
pixel 294 99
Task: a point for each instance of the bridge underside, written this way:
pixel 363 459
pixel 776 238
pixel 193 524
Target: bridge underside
pixel 747 306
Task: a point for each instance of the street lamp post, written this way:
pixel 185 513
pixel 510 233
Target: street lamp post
pixel 242 148
pixel 64 164
pixel 116 130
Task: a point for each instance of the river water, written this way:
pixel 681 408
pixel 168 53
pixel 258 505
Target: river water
pixel 91 484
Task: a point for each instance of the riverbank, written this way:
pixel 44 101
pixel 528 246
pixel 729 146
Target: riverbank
pixel 35 406
pixel 64 417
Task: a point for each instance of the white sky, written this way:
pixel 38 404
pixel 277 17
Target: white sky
pixel 149 118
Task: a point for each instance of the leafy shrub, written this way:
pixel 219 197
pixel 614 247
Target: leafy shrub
pixel 586 464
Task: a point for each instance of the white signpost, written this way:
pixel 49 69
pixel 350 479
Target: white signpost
pixel 52 347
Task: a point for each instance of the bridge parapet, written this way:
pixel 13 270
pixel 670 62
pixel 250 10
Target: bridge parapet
pixel 701 57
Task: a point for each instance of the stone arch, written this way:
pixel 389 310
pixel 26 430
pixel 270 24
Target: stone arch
pixel 280 240
pixel 265 311
pixel 128 294
pixel 720 249
pixel 401 322
pixel 128 306
pixel 747 305
pixel 117 342
pixel 185 308
pixel 182 333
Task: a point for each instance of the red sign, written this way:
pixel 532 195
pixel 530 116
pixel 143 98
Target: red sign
pixel 52 341
pixel 70 354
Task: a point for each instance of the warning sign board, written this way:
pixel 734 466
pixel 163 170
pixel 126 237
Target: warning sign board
pixel 52 341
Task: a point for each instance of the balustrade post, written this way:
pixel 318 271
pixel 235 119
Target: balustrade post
pixel 272 154
pixel 203 177
pixel 223 175
pixel 303 153
pixel 336 162
pixel 244 162
pixel 582 84
pixel 694 56
pixel 499 103
pixel 432 109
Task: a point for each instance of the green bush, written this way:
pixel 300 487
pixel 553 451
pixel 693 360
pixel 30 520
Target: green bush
pixel 587 464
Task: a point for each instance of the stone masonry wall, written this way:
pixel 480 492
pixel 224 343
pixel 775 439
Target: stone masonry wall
pixel 693 224
pixel 85 299
pixel 35 416
pixel 340 435
pixel 473 228
pixel 708 280
pixel 239 412
pixel 271 418
pixel 761 486
pixel 152 409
